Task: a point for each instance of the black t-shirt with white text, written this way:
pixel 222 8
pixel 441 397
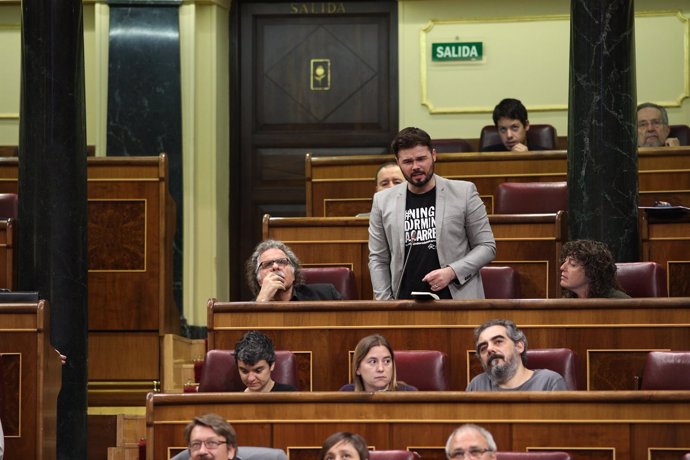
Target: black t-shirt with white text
pixel 420 244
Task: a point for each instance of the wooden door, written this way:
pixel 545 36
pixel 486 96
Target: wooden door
pixel 309 77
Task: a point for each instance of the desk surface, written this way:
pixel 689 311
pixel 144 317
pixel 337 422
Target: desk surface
pixel 589 425
pixel 611 336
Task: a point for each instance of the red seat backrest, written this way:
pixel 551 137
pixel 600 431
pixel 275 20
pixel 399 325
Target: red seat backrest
pixel 642 279
pixel 500 282
pixel 341 277
pixel 666 370
pixel 425 369
pixel 561 360
pixel 219 372
pixel 530 197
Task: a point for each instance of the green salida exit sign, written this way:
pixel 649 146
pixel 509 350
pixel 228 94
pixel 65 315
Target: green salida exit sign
pixel 456 51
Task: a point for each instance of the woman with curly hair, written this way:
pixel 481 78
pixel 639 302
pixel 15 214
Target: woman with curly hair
pixel 588 269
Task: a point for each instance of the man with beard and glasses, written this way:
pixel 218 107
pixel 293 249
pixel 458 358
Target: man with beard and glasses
pixel 428 233
pixel 502 350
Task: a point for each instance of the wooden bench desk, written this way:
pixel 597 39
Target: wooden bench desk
pixel 611 336
pixel 131 219
pixel 530 243
pixel 344 185
pixel 601 425
pixel 30 379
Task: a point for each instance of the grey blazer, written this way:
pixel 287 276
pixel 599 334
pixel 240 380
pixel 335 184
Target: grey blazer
pixel 464 240
pixel 246 453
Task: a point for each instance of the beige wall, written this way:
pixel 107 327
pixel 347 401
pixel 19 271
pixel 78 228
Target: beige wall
pixel 456 99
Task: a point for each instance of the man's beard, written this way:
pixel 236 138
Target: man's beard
pixel 421 182
pixel 501 373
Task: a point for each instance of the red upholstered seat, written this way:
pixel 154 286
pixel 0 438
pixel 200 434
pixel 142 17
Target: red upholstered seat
pixel 530 197
pixel 532 456
pixel 9 206
pixel 220 373
pixel 642 279
pixel 561 360
pixel 682 132
pixel 341 277
pixel 500 282
pixel 541 135
pixel 425 369
pixel 393 455
pixel 451 145
pixel 666 370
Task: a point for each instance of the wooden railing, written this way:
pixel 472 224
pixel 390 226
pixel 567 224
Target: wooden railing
pixel 610 336
pixel 602 425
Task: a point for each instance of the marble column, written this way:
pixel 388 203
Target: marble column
pixel 144 95
pixel 602 142
pixel 52 197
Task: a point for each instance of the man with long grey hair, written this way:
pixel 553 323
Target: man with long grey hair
pixel 274 274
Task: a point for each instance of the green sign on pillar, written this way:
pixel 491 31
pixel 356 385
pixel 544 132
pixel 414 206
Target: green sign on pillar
pixel 456 51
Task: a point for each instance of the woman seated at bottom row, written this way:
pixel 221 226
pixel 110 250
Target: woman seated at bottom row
pixel 373 367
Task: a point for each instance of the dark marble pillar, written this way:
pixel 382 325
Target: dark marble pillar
pixel 52 196
pixel 602 142
pixel 144 95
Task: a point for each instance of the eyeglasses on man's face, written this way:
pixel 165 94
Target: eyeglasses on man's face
pixel 211 444
pixel 647 123
pixel 474 453
pixel 282 262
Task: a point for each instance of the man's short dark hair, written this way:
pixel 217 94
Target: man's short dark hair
pixel 514 334
pixel 253 347
pixel 215 422
pixel 510 108
pixel 409 138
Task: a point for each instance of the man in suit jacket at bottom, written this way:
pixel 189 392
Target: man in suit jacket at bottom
pixel 428 233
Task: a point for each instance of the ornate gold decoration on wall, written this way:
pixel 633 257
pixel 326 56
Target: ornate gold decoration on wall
pixel 320 75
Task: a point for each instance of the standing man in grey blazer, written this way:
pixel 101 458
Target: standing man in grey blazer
pixel 428 233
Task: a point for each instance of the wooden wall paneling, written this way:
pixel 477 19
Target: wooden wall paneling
pixel 663 174
pixel 589 424
pixel 529 243
pixel 600 332
pixel 667 241
pixel 7 254
pixel 30 381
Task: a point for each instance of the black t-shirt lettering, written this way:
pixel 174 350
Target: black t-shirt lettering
pixel 420 244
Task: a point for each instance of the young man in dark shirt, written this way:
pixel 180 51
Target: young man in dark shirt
pixel 510 119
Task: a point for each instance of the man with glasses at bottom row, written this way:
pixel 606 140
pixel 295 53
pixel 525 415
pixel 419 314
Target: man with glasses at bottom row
pixel 470 441
pixel 274 274
pixel 210 437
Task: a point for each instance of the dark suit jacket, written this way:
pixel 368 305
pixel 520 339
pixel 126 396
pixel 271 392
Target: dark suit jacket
pixel 317 291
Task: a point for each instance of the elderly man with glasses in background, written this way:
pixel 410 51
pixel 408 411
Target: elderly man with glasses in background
pixel 274 274
pixel 652 127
